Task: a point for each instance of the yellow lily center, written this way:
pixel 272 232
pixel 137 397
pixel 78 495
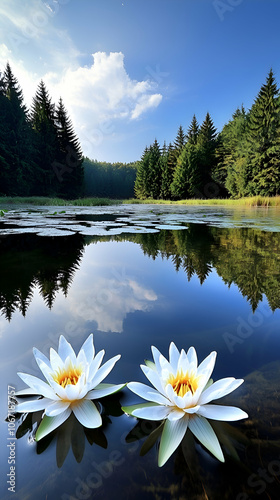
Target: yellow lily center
pixel 68 376
pixel 183 383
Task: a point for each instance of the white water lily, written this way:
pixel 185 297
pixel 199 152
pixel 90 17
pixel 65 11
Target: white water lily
pixel 72 382
pixel 181 396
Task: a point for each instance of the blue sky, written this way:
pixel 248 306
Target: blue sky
pixel 130 71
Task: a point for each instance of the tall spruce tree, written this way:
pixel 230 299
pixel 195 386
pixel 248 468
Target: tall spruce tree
pixel 167 172
pixel 264 136
pixel 6 155
pixel 207 142
pixel 186 177
pixel 231 171
pixel 140 187
pixel 193 131
pixel 17 135
pixel 42 116
pixel 68 162
pixel 154 175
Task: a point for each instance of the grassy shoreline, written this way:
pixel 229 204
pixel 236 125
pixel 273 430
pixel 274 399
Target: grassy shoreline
pixel 254 201
pixel 56 202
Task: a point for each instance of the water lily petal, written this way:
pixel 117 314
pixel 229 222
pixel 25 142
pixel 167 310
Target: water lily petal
pixel 219 412
pixel 40 356
pixel 174 355
pixel 150 364
pixel 204 372
pixel 165 367
pixel 35 405
pixel 181 402
pixel 192 410
pixel 153 377
pixel 55 360
pixel 59 390
pixel 88 348
pixel 131 408
pixel 156 355
pixel 206 367
pixel 94 365
pixel 38 385
pixel 219 389
pixel 65 350
pixel 175 414
pixel 87 413
pixel 183 363
pixel 28 392
pixel 56 408
pixel 49 424
pixel 172 396
pixel 82 360
pixel 72 392
pixel 107 391
pixel 156 412
pixel 146 392
pixel 192 357
pixel 203 431
pixel 105 370
pixel 172 435
pixel 187 400
pixel 46 369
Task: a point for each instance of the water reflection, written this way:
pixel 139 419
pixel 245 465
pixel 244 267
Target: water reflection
pixel 71 434
pixel 248 258
pixel 29 261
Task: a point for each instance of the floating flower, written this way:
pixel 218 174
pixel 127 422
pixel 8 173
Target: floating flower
pixel 72 382
pixel 181 396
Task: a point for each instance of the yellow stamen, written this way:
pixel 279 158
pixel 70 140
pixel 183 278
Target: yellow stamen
pixel 68 376
pixel 182 383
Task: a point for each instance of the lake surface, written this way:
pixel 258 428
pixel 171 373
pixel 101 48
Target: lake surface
pixel 137 276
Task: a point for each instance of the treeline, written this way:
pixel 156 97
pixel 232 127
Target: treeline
pixel 39 152
pixel 110 180
pixel 242 160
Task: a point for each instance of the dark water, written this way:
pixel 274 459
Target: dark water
pixel 213 282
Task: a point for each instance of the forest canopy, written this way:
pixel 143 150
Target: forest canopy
pixel 40 154
pixel 242 160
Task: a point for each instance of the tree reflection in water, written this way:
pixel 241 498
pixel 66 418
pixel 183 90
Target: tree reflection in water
pixel 246 257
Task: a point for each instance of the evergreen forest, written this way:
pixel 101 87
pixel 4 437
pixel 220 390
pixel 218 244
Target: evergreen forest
pixel 40 154
pixel 110 180
pixel 242 160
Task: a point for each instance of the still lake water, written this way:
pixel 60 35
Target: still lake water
pixel 134 277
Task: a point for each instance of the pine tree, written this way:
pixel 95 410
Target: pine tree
pixel 193 131
pixel 167 172
pixel 264 136
pixel 17 135
pixel 140 187
pixel 207 141
pixel 42 117
pixel 232 167
pixel 186 177
pixel 6 156
pixel 68 162
pixel 154 175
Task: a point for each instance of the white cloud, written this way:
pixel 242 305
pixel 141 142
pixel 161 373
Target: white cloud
pixel 145 102
pixel 109 306
pixel 102 99
pixel 99 98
